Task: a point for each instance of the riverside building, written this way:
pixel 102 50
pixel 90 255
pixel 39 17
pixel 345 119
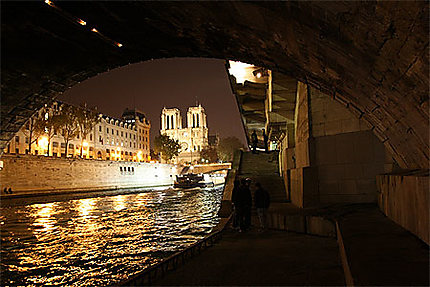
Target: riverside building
pixel 125 139
pixel 192 138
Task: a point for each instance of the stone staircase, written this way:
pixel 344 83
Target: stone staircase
pixel 263 168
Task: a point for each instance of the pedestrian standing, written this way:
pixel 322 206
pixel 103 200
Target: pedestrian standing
pixel 266 139
pixel 262 203
pixel 243 203
pixel 247 203
pixel 235 201
pixel 254 140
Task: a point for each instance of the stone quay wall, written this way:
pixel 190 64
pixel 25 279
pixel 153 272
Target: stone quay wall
pixel 404 198
pixel 28 174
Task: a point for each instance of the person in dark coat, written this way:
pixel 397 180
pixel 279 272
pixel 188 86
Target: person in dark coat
pixel 242 204
pixel 254 141
pixel 234 199
pixel 266 139
pixel 247 203
pixel 262 203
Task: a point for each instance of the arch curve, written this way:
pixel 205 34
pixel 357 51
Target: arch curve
pixel 373 55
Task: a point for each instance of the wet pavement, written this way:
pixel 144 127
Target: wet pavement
pixel 271 258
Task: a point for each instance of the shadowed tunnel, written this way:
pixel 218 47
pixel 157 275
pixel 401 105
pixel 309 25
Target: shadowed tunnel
pixel 372 56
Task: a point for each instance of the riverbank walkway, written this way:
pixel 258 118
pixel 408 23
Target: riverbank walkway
pixel 359 246
pixel 271 258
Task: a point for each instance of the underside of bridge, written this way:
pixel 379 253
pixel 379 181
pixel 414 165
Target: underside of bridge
pixel 341 87
pixel 371 56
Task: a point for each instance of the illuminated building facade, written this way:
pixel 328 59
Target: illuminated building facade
pixel 193 138
pixel 125 139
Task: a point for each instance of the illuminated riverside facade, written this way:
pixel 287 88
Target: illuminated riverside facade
pixel 193 138
pixel 125 139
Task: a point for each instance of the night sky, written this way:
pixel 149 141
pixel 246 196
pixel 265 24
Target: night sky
pixel 150 86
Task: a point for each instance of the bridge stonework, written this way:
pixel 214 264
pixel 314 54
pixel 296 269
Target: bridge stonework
pixel 370 56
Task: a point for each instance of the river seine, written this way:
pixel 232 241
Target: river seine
pixel 100 240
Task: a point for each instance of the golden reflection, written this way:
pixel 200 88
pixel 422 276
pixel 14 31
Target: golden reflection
pixel 43 216
pixel 86 206
pixel 119 202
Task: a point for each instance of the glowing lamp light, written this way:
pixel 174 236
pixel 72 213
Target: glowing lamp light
pixel 43 142
pixel 85 144
pixel 259 75
pixel 49 3
pixel 94 30
pixel 139 155
pixel 119 45
pixel 82 22
pixel 241 71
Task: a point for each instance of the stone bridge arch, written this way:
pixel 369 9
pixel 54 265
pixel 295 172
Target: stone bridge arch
pixel 371 55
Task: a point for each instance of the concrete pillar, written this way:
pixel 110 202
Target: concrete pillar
pixel 304 182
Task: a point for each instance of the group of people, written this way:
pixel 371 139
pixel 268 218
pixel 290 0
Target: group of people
pixel 7 190
pixel 242 204
pixel 254 140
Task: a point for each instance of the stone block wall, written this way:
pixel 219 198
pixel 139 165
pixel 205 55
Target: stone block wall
pixel 34 174
pixel 329 117
pixel 333 148
pixel 348 156
pixel 347 166
pixel 405 200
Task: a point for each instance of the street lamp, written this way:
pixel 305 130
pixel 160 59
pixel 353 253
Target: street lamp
pixel 139 156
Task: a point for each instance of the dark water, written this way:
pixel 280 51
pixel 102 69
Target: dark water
pixel 101 240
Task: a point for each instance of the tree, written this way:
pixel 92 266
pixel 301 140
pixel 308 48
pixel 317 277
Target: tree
pixel 166 146
pixel 154 155
pixel 227 147
pixel 68 121
pixel 49 123
pixel 35 127
pixel 87 118
pixel 209 154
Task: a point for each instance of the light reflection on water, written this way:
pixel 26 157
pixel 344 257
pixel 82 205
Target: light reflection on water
pixel 101 240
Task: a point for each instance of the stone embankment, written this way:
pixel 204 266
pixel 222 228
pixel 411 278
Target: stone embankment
pixel 33 175
pixel 356 245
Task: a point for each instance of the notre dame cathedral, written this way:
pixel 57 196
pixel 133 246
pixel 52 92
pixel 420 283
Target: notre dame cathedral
pixel 192 138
